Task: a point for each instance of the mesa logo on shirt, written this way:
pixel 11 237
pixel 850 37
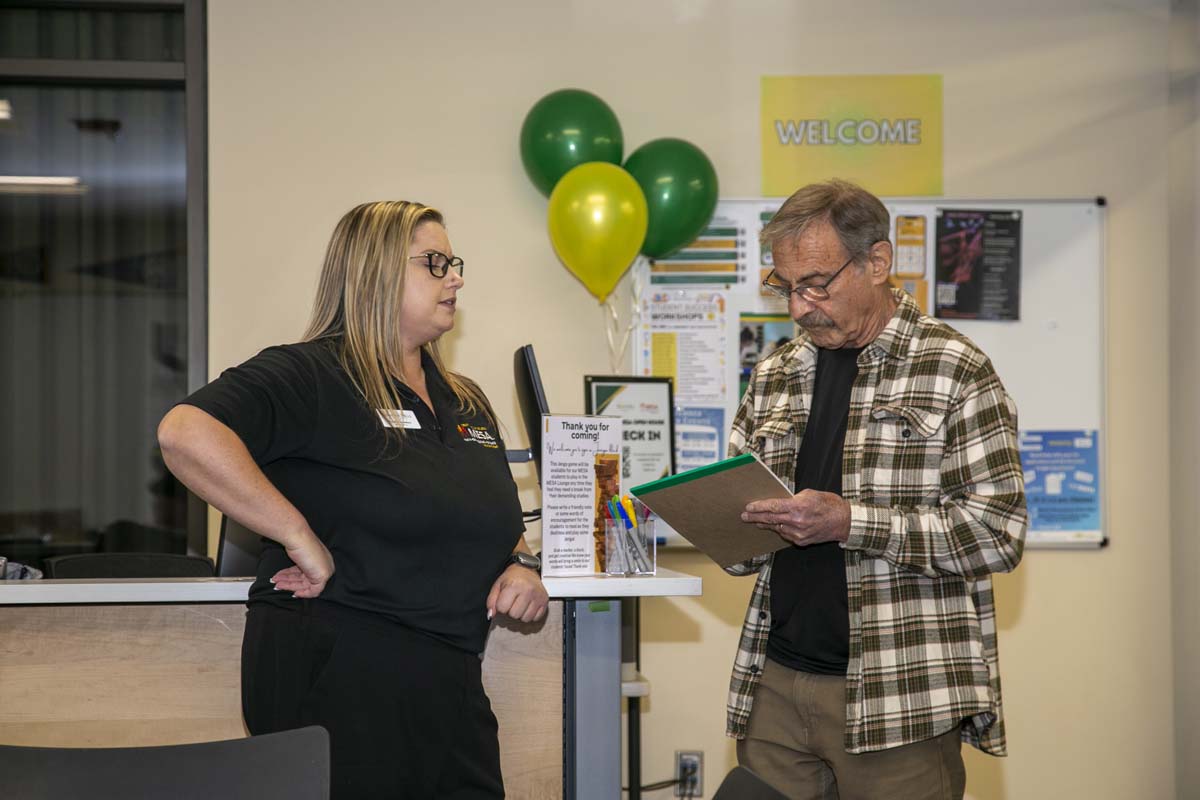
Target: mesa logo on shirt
pixel 478 435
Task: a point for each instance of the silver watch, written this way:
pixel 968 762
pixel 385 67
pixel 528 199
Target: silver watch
pixel 526 560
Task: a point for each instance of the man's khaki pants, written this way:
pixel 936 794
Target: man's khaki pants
pixel 795 742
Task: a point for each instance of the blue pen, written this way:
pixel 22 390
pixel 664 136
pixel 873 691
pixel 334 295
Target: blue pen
pixel 618 518
pixel 631 541
pixel 624 515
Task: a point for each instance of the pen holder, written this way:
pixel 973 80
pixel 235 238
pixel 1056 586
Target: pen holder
pixel 629 551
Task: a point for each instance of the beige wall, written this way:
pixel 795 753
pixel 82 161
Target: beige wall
pixel 317 106
pixel 1185 386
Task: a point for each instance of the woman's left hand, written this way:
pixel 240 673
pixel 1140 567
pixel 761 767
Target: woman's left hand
pixel 519 593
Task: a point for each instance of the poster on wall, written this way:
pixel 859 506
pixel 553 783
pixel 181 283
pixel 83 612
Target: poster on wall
pixel 883 132
pixel 726 256
pixel 978 264
pixel 717 256
pixel 700 436
pixel 683 336
pixel 1062 485
pixel 909 260
pixel 581 471
pixel 759 335
pixel 646 408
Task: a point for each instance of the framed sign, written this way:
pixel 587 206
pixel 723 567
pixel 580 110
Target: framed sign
pixel 645 406
pixel 581 468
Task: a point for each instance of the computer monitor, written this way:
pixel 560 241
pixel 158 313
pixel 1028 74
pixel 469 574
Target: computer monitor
pixel 532 399
pixel 238 549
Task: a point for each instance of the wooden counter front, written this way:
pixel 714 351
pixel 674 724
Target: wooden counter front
pixel 151 674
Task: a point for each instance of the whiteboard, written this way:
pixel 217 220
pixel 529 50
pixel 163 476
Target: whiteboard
pixel 1051 359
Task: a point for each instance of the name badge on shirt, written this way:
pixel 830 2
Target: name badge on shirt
pixel 399 418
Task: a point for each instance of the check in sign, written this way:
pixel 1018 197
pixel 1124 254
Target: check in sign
pixel 884 132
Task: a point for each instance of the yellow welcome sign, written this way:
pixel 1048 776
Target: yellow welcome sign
pixel 883 132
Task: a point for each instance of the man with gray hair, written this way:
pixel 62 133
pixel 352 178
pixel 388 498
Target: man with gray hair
pixel 868 652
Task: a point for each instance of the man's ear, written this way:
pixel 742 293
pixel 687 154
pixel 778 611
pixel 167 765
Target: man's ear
pixel 879 262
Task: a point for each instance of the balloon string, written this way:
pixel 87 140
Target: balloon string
pixel 610 315
pixel 635 300
pixel 612 321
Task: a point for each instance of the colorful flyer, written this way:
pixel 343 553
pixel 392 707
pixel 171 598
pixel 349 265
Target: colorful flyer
pixel 1062 484
pixel 978 264
pixel 581 471
pixel 909 259
pixel 683 336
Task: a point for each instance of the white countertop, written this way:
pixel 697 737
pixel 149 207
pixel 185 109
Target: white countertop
pixel 667 583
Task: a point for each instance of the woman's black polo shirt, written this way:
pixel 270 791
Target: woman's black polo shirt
pixel 418 531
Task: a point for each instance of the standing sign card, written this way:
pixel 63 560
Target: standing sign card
pixel 581 472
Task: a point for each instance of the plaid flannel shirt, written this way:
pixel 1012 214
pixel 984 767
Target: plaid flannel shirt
pixel 937 504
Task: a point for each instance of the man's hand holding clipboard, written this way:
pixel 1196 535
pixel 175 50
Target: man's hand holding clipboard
pixel 810 517
pixel 705 506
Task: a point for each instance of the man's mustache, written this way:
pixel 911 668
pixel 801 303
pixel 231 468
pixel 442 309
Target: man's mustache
pixel 815 319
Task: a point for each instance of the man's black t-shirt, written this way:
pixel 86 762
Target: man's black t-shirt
pixel 810 624
pixel 418 530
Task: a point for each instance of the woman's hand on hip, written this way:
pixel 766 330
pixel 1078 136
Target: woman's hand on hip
pixel 519 593
pixel 314 568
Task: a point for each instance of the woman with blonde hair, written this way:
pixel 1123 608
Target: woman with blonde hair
pixel 391 524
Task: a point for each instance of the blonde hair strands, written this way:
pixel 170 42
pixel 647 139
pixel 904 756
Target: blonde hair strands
pixel 359 296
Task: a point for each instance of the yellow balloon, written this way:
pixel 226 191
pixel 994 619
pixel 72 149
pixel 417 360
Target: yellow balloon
pixel 597 221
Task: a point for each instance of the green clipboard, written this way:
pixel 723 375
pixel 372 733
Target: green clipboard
pixel 705 505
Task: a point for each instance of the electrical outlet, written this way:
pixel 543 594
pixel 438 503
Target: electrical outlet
pixel 689 771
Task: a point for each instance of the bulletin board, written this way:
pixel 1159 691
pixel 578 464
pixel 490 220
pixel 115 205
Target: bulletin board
pixel 1024 279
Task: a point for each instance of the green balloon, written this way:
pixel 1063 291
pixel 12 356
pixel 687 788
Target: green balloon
pixel 680 185
pixel 565 129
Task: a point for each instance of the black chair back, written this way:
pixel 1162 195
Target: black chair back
pixel 742 784
pixel 237 550
pixel 292 764
pixel 128 565
pixel 128 536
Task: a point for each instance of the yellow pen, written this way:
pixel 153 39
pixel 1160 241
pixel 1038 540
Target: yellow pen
pixel 638 554
pixel 627 504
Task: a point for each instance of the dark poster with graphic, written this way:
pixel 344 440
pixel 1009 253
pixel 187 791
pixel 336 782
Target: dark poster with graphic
pixel 978 264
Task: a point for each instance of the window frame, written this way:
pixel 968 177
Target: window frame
pixel 191 75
